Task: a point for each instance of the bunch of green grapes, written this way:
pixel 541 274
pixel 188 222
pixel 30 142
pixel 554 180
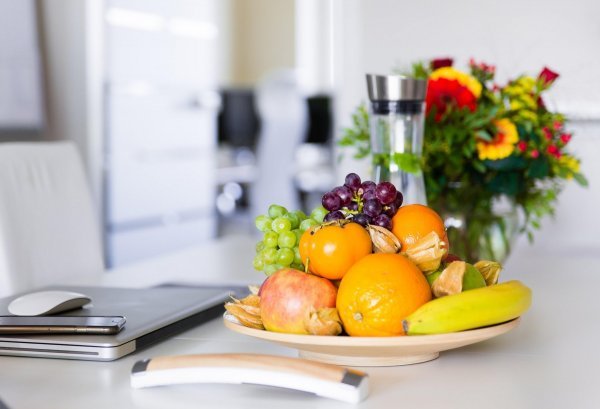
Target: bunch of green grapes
pixel 282 232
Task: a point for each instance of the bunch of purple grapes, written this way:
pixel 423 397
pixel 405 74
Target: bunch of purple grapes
pixel 363 202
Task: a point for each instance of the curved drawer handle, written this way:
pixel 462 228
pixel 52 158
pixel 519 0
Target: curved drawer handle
pixel 325 380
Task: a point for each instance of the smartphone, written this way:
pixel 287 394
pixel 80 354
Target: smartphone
pixel 10 324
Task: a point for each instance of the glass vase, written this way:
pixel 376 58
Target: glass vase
pixel 482 231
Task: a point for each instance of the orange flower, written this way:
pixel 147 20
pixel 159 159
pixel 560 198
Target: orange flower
pixel 503 143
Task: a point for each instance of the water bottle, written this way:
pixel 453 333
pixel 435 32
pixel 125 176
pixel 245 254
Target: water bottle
pixel 397 115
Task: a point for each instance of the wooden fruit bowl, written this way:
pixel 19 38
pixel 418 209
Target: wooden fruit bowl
pixel 373 351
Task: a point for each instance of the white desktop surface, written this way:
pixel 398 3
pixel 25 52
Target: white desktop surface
pixel 550 361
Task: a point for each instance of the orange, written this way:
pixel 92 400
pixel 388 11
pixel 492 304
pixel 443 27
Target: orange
pixel 411 222
pixel 331 250
pixel 378 292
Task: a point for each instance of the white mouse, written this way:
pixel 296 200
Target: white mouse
pixel 47 302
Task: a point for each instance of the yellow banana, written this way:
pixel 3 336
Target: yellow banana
pixel 470 309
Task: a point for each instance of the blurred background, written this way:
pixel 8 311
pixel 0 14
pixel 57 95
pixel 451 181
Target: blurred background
pixel 192 116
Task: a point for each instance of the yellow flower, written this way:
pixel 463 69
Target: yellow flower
pixel 529 101
pixel 516 104
pixel 514 90
pixel 524 101
pixel 463 78
pixel 527 82
pixel 528 115
pixel 503 143
pixel 521 87
pixel 571 163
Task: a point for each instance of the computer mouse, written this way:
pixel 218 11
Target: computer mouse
pixel 47 302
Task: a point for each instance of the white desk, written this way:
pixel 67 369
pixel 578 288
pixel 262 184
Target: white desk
pixel 550 361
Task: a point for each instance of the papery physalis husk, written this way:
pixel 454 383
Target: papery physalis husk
pixel 427 253
pixel 324 321
pixel 451 280
pixel 253 289
pixel 246 310
pixel 384 241
pixel 490 270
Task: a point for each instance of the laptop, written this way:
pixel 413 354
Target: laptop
pixel 152 315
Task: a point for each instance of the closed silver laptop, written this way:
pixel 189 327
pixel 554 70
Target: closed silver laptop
pixel 152 315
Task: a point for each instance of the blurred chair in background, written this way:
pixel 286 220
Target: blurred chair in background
pixel 304 149
pixel 314 158
pixel 238 120
pixel 284 117
pixel 239 125
pixel 48 228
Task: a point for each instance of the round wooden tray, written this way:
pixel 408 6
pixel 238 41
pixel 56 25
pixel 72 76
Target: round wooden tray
pixel 374 351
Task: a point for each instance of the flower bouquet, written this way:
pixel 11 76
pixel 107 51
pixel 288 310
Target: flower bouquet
pixel 486 145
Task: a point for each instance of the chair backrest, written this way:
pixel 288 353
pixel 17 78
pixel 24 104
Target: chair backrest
pixel 48 228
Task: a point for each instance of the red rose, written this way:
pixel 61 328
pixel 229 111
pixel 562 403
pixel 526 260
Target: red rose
pixel 547 133
pixel 441 62
pixel 481 66
pixel 522 145
pixel 553 150
pixel 565 138
pixel 535 153
pixel 557 125
pixel 547 76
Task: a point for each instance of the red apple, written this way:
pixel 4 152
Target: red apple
pixel 288 295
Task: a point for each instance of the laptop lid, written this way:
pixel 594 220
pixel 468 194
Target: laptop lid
pixel 152 315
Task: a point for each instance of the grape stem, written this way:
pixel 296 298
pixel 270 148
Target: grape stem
pixel 358 199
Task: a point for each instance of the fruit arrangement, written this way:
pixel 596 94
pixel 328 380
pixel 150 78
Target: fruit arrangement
pixel 364 264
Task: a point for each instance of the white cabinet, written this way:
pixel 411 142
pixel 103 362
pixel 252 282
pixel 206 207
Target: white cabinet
pixel 160 126
pixel 160 158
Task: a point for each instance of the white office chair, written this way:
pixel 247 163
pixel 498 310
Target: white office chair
pixel 48 229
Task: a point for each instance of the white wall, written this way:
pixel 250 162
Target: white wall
pixel 63 41
pixel 576 222
pixel 261 39
pixel 72 47
pixel 20 99
pixel 517 36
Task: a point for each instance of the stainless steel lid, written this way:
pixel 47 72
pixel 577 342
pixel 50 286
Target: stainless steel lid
pixel 395 88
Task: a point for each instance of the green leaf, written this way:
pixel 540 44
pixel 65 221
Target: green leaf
pixel 479 166
pixel 521 131
pixel 539 168
pixel 345 141
pixel 510 163
pixel 507 183
pixel 407 162
pixel 359 135
pixel 582 180
pixel 481 119
pixel 483 134
pixel 420 71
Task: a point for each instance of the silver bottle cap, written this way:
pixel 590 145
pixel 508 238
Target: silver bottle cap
pixel 395 88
